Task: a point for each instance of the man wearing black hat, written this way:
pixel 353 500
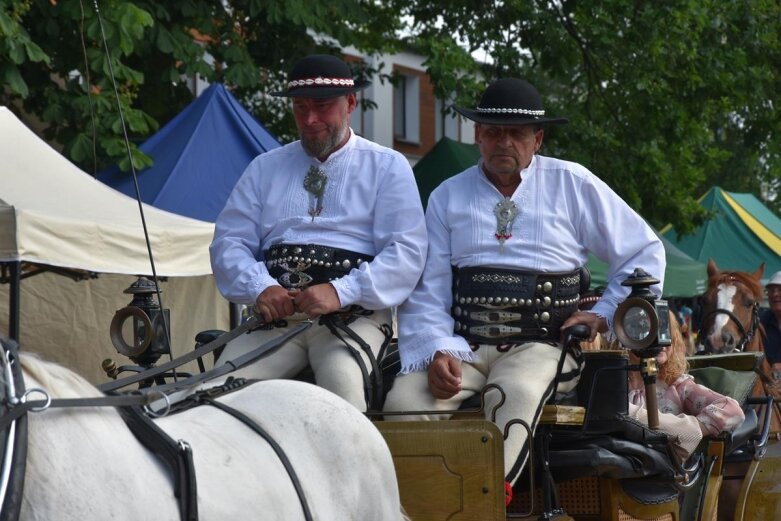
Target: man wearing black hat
pixel 507 241
pixel 328 226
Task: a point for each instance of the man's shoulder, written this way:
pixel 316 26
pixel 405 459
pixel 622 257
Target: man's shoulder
pixel 279 153
pixel 563 166
pixel 454 183
pixel 366 145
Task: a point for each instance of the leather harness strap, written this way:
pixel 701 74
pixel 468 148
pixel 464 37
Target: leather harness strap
pixel 251 323
pixel 252 424
pixel 372 383
pixel 208 397
pixel 177 454
pixel 13 436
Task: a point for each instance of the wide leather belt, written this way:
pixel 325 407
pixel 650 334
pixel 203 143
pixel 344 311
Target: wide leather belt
pixel 500 306
pixel 298 266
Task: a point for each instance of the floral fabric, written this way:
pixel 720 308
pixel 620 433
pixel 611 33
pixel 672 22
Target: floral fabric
pixel 716 413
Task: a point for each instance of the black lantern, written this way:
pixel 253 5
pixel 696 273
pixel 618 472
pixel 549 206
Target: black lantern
pixel 144 339
pixel 642 324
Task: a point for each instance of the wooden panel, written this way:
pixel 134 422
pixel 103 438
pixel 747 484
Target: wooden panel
pixel 450 470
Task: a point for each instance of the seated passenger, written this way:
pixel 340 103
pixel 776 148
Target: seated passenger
pixel 687 410
pixel 507 239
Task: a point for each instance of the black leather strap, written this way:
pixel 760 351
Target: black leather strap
pixel 252 424
pixel 252 322
pixel 373 384
pixel 176 454
pixel 13 438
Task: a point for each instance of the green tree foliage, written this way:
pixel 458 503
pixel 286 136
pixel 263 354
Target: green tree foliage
pixel 54 61
pixel 665 98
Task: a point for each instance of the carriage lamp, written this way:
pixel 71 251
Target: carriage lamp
pixel 642 324
pixel 138 330
pixel 642 321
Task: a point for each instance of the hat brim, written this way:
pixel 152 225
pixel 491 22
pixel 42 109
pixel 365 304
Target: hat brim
pixel 492 118
pixel 321 92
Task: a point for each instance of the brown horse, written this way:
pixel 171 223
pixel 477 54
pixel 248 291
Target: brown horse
pixel 731 322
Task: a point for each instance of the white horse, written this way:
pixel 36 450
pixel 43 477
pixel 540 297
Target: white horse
pixel 84 464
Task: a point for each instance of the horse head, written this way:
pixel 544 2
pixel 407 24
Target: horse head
pixel 731 309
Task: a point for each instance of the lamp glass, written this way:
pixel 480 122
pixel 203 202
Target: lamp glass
pixel 637 323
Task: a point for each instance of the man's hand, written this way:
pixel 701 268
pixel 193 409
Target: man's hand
pixel 444 376
pixel 274 303
pixel 596 323
pixel 320 299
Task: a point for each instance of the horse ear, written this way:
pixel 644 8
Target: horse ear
pixel 760 271
pixel 713 270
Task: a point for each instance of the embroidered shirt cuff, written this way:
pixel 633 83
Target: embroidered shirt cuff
pixel 257 286
pixel 348 293
pixel 417 357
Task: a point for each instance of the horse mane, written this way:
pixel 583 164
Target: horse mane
pixel 58 380
pixel 744 278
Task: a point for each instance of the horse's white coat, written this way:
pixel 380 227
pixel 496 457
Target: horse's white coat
pixel 84 464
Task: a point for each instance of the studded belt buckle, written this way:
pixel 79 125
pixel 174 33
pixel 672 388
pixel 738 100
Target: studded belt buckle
pixel 495 331
pixel 495 317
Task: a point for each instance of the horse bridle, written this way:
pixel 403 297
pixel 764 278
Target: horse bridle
pixel 747 336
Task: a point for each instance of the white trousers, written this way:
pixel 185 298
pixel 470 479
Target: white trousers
pixel 525 372
pixel 334 366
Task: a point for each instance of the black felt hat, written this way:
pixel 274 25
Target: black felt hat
pixel 321 76
pixel 510 101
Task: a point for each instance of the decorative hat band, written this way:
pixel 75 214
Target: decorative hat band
pixel 501 110
pixel 319 81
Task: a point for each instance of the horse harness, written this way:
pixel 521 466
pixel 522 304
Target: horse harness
pixel 178 455
pixel 747 336
pixel 136 408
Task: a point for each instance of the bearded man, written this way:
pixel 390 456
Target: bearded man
pixel 329 226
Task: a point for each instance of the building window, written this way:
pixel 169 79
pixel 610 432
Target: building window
pixel 406 108
pixel 447 124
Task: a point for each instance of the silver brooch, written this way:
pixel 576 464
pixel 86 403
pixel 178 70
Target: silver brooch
pixel 506 211
pixel 314 183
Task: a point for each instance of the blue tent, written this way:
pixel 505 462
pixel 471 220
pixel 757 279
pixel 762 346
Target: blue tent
pixel 198 157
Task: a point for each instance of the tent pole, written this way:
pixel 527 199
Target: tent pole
pixel 14 293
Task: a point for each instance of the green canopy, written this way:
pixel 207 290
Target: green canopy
pixel 446 159
pixel 742 234
pixel 684 276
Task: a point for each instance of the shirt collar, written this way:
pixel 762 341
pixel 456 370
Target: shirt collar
pixel 524 173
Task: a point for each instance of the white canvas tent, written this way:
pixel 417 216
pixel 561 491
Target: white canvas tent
pixel 57 220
